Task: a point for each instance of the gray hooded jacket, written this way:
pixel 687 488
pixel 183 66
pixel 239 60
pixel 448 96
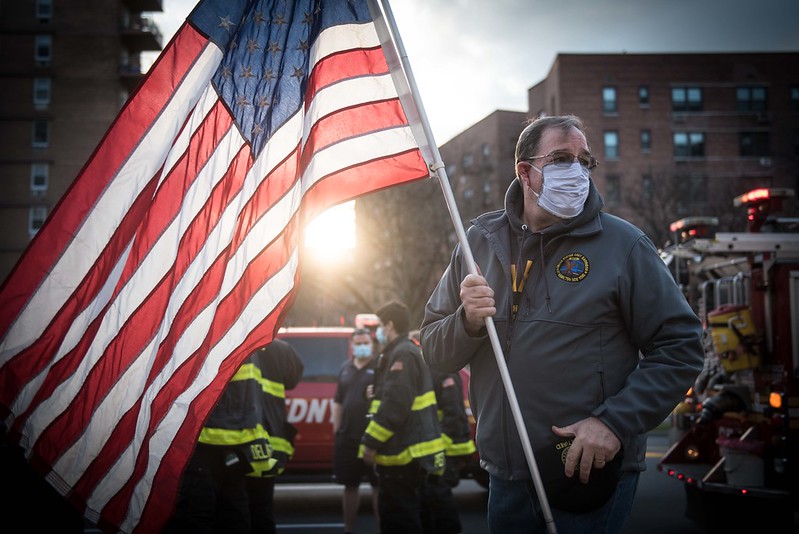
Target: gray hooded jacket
pixel 601 329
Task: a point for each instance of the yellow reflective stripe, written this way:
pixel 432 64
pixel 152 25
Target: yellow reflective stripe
pixel 261 467
pixel 419 403
pixel 424 401
pixel 374 406
pixel 460 449
pixel 249 371
pixel 457 449
pixel 224 436
pixel 427 448
pixel 402 458
pixel 379 432
pixel 417 450
pixel 282 445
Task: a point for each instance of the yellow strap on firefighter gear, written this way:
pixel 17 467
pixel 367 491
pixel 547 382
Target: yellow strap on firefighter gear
pixel 457 449
pixel 419 403
pixel 424 401
pixel 261 467
pixel 225 436
pixel 282 445
pixel 250 371
pixel 417 450
pixel 374 406
pixel 378 431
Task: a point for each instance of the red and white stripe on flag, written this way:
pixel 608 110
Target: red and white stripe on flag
pixel 175 254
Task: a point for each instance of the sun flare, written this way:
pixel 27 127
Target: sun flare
pixel 331 235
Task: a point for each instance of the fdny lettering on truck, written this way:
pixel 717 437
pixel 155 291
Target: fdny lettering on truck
pixel 301 410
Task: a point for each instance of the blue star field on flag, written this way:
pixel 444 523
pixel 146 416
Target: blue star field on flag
pixel 264 73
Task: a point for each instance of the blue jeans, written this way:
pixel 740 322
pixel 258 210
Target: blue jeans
pixel 513 508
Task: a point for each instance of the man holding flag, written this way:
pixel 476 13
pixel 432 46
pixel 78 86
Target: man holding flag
pixel 174 254
pixel 598 339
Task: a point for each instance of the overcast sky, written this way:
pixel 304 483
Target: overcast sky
pixel 472 57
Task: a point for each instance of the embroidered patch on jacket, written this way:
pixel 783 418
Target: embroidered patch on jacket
pixel 572 267
pixel 396 366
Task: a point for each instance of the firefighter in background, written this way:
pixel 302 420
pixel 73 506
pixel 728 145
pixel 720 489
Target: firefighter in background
pixel 439 510
pixel 350 406
pixel 281 369
pixel 403 438
pixel 228 484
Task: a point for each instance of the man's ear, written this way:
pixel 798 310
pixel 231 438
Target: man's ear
pixel 523 172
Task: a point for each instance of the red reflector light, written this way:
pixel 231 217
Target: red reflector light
pixel 671 472
pixel 680 476
pixel 756 194
pixel 690 480
pixel 744 491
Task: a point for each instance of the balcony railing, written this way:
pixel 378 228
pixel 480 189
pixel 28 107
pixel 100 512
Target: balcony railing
pixel 141 33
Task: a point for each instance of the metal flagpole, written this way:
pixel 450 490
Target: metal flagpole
pixel 438 167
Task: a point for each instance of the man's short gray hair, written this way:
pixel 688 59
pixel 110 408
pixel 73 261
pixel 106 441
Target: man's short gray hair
pixel 530 138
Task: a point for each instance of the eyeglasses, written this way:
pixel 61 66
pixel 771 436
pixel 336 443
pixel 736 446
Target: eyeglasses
pixel 561 158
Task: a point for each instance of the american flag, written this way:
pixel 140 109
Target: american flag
pixel 174 254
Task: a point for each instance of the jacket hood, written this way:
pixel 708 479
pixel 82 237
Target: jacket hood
pixel 514 206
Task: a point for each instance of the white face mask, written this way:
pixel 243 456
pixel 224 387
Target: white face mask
pixel 565 189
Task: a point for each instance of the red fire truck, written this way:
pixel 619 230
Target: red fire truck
pixel 310 405
pixel 736 447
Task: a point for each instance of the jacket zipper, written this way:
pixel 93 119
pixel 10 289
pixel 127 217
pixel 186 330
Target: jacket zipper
pixel 508 337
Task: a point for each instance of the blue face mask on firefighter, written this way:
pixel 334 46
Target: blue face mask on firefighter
pixel 380 334
pixel 565 189
pixel 361 351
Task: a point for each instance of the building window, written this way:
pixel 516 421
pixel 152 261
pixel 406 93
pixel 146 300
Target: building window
pixel 754 144
pixel 686 99
pixel 646 186
pixel 609 100
pixel 44 10
pixel 752 98
pixel 486 193
pixel 43 51
pixel 612 190
pixel 689 144
pixel 41 133
pixel 40 173
pixel 646 140
pixel 36 217
pixel 467 161
pixel 643 95
pixel 611 145
pixel 41 92
pixel 486 150
pixel 795 98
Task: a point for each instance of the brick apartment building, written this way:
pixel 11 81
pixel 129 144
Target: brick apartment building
pixel 676 134
pixel 480 162
pixel 67 67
